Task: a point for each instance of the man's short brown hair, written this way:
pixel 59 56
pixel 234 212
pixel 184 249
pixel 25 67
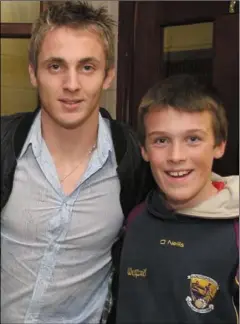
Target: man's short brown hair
pixel 184 93
pixel 75 14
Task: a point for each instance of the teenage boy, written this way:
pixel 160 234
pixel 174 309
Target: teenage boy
pixel 69 175
pixel 180 257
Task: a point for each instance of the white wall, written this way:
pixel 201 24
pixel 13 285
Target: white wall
pixel 108 99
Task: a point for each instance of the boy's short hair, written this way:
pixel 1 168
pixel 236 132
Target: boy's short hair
pixel 184 93
pixel 75 14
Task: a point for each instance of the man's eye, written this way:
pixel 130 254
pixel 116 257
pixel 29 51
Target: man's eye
pixel 88 68
pixel 54 67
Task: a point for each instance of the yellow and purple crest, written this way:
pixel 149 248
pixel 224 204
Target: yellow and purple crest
pixel 203 290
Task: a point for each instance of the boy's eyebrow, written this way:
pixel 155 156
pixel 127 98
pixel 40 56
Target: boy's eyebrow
pixel 84 60
pixel 196 130
pixel 193 130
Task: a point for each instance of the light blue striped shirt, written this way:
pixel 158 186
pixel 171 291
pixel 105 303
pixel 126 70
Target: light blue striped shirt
pixel 56 249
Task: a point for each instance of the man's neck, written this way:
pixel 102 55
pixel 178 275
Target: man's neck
pixel 69 145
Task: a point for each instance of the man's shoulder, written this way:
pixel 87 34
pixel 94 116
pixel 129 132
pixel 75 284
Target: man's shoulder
pixel 9 121
pixel 9 118
pixel 123 129
pixel 114 123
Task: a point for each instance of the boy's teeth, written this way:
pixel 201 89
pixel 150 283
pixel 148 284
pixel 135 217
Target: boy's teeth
pixel 178 174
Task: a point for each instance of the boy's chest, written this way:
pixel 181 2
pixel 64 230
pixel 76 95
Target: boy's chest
pixel 174 248
pixel 179 266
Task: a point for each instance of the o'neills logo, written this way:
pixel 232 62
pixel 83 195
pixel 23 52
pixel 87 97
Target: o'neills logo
pixel 171 243
pixel 136 272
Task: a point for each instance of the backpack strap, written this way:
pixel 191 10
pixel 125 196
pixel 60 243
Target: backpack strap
pixel 236 229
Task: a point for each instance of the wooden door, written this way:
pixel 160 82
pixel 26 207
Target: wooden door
pixel 141 56
pixel 226 80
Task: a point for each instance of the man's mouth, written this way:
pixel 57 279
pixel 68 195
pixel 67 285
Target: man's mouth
pixel 178 174
pixel 70 102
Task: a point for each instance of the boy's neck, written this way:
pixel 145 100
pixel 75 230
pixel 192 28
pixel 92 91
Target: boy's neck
pixel 210 191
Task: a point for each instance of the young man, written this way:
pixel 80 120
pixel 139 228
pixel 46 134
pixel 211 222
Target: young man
pixel 180 256
pixel 69 175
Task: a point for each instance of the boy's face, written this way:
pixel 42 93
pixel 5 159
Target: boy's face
pixel 71 75
pixel 180 147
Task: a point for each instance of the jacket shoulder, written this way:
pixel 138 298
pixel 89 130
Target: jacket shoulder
pixel 125 141
pixel 9 122
pixel 135 212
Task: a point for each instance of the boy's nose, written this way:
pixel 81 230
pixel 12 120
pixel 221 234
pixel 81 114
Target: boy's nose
pixel 176 153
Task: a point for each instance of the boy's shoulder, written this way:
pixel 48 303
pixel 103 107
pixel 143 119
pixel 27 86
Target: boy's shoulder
pixel 135 212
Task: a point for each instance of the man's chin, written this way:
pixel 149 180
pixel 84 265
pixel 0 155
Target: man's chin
pixel 71 125
pixel 71 122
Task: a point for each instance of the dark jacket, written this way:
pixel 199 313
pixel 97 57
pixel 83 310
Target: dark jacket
pixel 177 268
pixel 134 174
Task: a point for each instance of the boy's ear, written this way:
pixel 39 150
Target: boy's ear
pixel 144 154
pixel 32 75
pixel 109 78
pixel 219 150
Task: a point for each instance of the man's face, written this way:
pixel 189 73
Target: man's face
pixel 71 74
pixel 180 148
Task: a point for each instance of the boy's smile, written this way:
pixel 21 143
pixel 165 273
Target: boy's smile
pixel 180 147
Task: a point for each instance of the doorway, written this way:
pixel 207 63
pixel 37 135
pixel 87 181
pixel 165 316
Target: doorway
pixel 142 61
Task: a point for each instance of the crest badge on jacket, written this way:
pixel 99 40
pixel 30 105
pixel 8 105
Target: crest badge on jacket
pixel 203 290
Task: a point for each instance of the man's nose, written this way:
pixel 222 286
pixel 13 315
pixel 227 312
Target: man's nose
pixel 72 81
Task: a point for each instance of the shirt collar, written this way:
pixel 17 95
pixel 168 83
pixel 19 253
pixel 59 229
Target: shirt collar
pixel 104 141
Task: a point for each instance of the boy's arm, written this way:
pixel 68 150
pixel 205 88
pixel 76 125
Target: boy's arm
pixel 236 294
pixel 236 279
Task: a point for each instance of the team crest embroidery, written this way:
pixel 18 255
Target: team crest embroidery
pixel 202 290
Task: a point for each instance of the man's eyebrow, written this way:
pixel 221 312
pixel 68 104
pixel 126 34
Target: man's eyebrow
pixel 88 60
pixel 84 60
pixel 53 59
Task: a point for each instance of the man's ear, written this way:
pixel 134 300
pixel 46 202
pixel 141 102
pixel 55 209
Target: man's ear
pixel 32 75
pixel 110 74
pixel 144 154
pixel 219 150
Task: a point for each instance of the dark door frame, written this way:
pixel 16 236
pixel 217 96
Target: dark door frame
pixel 140 50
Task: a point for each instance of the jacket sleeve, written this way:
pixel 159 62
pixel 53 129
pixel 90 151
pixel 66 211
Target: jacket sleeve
pixel 236 293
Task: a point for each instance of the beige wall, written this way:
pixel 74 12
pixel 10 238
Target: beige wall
pixel 17 93
pixel 19 11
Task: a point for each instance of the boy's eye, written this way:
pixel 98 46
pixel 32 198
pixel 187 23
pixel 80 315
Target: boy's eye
pixel 160 140
pixel 194 139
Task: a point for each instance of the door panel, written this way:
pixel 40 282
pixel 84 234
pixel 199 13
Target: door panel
pixel 226 80
pixel 140 44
